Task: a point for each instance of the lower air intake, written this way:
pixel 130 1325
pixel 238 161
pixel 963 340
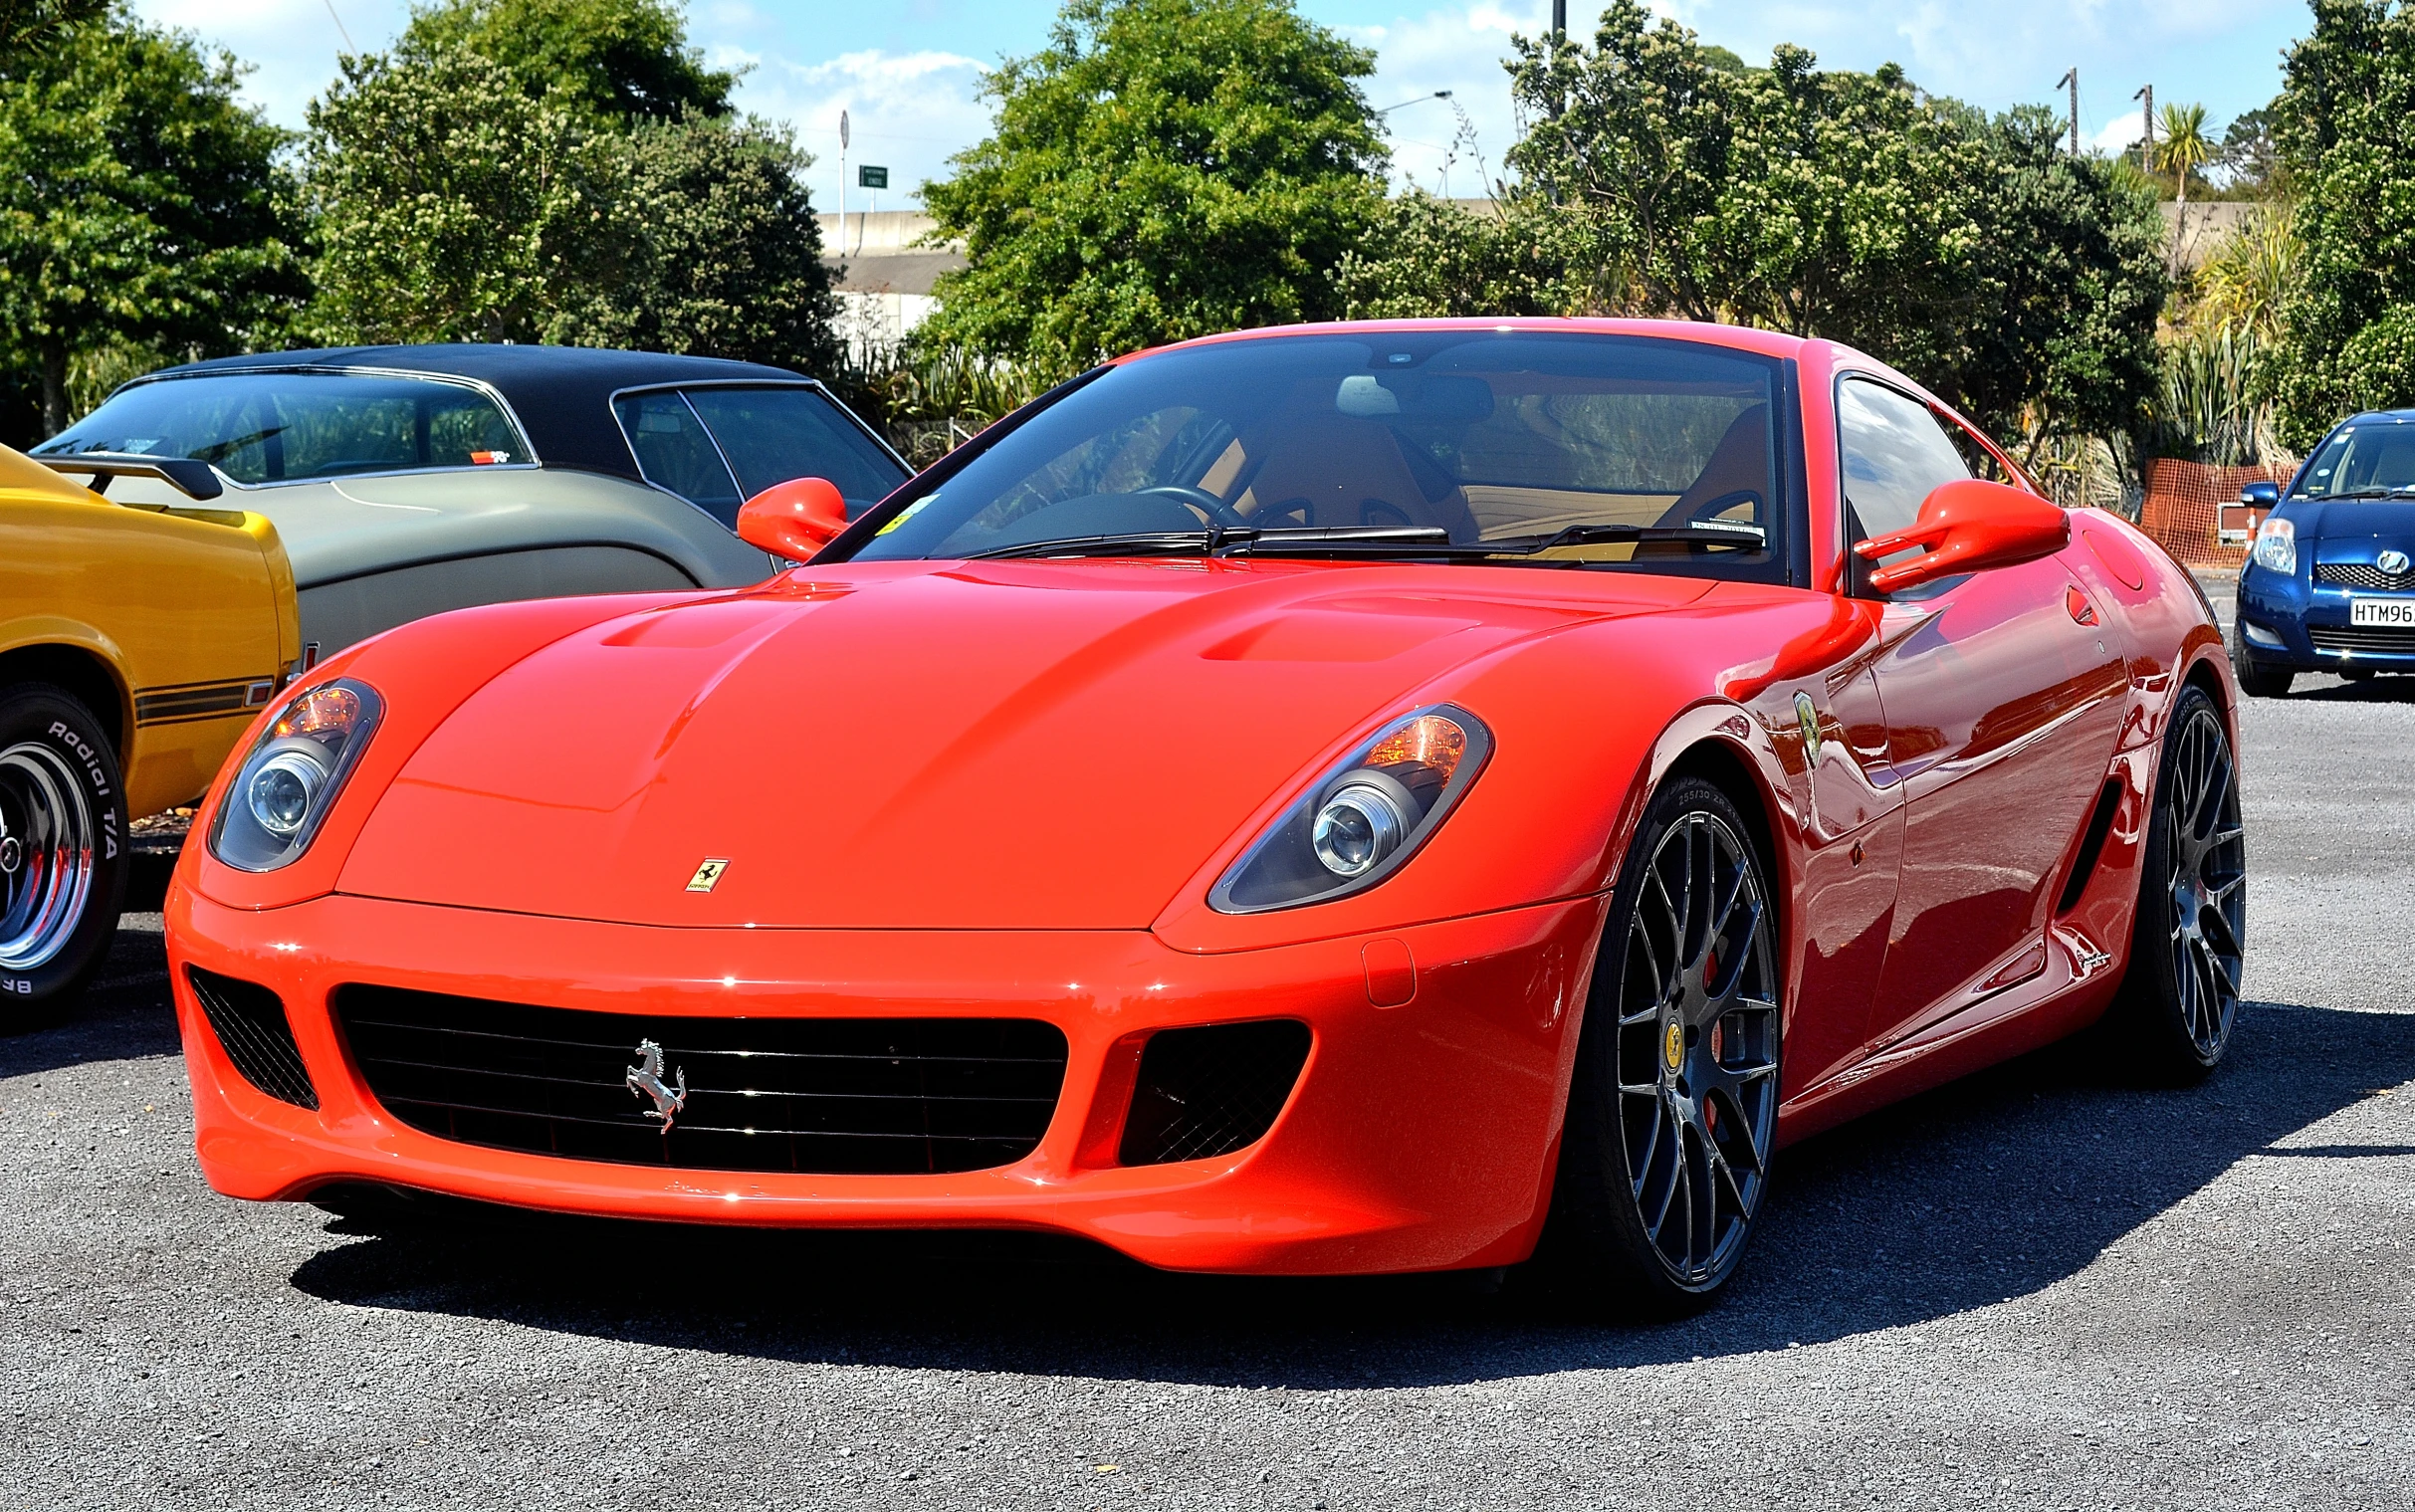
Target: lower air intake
pixel 1210 1091
pixel 252 1028
pixel 836 1096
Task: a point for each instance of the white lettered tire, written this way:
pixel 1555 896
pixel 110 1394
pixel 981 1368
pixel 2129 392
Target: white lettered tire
pixel 63 851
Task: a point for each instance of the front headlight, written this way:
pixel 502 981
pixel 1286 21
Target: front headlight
pixel 290 778
pixel 1363 819
pixel 2276 546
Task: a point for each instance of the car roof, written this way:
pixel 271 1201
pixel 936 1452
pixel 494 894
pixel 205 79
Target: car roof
pixel 560 395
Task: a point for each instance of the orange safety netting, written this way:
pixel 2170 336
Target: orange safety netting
pixel 2183 508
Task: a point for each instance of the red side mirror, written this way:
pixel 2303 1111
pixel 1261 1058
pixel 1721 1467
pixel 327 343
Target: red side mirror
pixel 794 518
pixel 1969 526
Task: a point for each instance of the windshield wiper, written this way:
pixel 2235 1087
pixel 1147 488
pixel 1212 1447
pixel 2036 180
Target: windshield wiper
pixel 2393 491
pixel 1217 540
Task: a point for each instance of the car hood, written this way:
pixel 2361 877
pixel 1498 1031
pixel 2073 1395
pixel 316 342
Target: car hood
pixel 1008 744
pixel 2371 522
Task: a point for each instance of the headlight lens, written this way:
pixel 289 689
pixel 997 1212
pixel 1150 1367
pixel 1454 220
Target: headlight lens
pixel 2276 546
pixel 290 778
pixel 1363 819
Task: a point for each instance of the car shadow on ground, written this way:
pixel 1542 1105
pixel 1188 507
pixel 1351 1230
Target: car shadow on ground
pixel 1993 1188
pixel 2379 689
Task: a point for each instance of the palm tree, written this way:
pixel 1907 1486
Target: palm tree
pixel 2182 152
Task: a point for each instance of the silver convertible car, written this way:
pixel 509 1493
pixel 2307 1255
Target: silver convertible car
pixel 409 480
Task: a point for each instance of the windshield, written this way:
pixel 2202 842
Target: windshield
pixel 277 427
pixel 716 447
pixel 1560 449
pixel 2371 461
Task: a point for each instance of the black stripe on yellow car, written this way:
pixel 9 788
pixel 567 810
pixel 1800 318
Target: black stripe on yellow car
pixel 203 701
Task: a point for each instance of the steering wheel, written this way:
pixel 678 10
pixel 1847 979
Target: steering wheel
pixel 1216 509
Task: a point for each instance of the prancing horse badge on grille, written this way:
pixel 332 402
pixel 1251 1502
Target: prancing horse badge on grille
pixel 708 872
pixel 645 1079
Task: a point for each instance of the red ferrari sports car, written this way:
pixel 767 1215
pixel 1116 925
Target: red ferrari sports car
pixel 1346 798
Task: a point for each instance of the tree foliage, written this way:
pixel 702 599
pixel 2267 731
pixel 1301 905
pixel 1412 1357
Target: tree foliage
pixel 2345 123
pixel 455 202
pixel 2021 284
pixel 626 60
pixel 139 202
pixel 1164 168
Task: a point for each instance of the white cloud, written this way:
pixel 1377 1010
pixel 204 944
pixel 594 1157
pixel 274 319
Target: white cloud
pixel 291 44
pixel 907 113
pixel 1453 146
pixel 2118 134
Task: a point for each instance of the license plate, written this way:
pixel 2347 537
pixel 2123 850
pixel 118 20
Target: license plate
pixel 2382 612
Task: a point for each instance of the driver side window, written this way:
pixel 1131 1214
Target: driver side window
pixel 1892 452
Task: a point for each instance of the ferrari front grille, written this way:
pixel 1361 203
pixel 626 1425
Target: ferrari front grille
pixel 1210 1091
pixel 252 1028
pixel 835 1096
pixel 2362 574
pixel 2394 638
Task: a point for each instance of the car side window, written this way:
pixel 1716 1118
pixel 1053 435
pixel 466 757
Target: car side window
pixel 675 452
pixel 1894 453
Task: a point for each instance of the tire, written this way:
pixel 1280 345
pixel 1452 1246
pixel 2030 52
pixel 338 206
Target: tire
pixel 2179 997
pixel 2257 680
pixel 1673 1106
pixel 63 856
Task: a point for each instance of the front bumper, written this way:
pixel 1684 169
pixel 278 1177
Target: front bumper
pixel 2292 622
pixel 1417 1138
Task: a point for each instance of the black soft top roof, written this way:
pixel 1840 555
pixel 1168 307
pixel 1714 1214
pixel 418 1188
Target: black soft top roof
pixel 561 394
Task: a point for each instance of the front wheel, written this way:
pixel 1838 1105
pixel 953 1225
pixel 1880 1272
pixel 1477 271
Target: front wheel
pixel 2179 994
pixel 63 852
pixel 2257 680
pixel 1674 1105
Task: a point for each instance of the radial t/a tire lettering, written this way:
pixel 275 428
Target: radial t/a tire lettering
pixel 1672 1112
pixel 2179 997
pixel 63 852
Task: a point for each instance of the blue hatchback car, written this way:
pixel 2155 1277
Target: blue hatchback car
pixel 2330 584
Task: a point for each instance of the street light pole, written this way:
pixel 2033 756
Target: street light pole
pixel 1405 103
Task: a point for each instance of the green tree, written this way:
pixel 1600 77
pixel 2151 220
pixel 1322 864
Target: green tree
pixel 27 25
pixel 1427 257
pixel 627 59
pixel 452 203
pixel 2345 123
pixel 139 202
pixel 2019 283
pixel 1164 168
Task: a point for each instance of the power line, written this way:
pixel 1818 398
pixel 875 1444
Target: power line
pixel 341 30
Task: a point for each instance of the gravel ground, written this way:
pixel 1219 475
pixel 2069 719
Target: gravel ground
pixel 2040 1289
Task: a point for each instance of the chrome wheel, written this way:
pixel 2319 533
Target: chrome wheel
pixel 1697 1048
pixel 2206 843
pixel 48 832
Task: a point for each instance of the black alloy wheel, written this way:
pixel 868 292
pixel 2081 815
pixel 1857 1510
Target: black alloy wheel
pixel 1674 1106
pixel 2256 680
pixel 63 852
pixel 2180 992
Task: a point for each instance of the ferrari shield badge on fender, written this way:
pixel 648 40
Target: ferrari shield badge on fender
pixel 1807 716
pixel 708 872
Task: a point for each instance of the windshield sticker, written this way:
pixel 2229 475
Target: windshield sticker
pixel 907 513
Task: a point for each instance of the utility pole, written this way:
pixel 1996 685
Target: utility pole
pixel 2072 79
pixel 843 183
pixel 1558 40
pixel 2147 155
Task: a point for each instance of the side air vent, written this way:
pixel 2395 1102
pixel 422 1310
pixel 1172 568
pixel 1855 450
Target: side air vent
pixel 1210 1091
pixel 2092 846
pixel 251 1026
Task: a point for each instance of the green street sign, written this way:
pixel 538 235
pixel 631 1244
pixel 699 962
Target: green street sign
pixel 869 177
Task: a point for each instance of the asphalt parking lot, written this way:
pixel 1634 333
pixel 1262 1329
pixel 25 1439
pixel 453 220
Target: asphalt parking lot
pixel 2045 1288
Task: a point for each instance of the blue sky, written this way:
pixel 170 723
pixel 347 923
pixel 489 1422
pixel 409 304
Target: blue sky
pixel 908 70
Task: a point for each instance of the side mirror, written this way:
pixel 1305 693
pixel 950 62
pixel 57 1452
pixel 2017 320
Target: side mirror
pixel 794 518
pixel 2262 495
pixel 1969 525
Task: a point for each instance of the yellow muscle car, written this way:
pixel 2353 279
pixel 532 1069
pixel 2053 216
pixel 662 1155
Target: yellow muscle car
pixel 137 642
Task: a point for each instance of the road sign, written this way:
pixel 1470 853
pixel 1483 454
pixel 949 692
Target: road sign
pixel 869 176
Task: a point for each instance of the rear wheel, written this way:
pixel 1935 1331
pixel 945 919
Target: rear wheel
pixel 2181 993
pixel 1674 1104
pixel 2257 680
pixel 63 852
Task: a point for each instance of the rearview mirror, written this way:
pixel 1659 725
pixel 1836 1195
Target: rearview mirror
pixel 2262 495
pixel 1969 526
pixel 794 518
